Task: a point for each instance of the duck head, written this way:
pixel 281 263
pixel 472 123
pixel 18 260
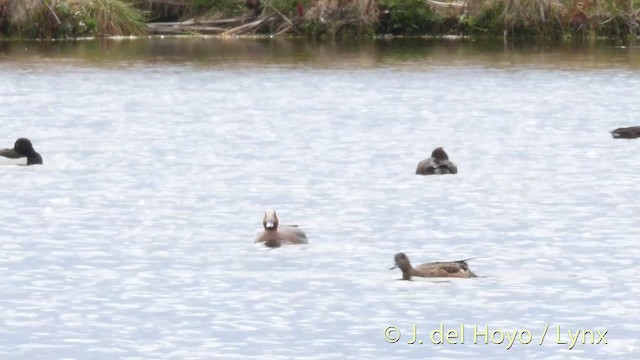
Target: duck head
pixel 439 154
pixel 23 146
pixel 270 220
pixel 402 261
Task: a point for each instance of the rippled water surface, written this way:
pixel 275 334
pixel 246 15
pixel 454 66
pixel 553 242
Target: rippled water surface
pixel 135 238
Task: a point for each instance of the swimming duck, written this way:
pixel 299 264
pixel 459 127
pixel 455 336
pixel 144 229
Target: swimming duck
pixel 437 164
pixel 274 235
pixel 21 154
pixel 626 133
pixel 458 269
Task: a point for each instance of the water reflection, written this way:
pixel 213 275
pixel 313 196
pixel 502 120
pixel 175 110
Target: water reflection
pixel 411 53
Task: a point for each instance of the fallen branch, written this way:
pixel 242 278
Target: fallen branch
pixel 195 29
pixel 166 2
pixel 280 14
pixel 192 26
pixel 457 4
pixel 222 21
pixel 284 30
pixel 246 27
pixel 191 22
pixel 52 11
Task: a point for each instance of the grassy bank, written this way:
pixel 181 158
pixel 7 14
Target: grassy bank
pixel 43 19
pixel 321 18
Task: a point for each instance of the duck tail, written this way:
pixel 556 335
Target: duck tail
pixel 463 264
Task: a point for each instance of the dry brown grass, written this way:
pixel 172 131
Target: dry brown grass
pixel 112 17
pixel 360 14
pixel 534 15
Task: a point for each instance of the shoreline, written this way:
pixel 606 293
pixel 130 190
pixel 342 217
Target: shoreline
pixel 319 19
pixel 302 37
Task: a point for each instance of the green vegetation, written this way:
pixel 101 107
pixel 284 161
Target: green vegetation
pixel 111 17
pixel 322 18
pixel 217 8
pixel 69 18
pixel 553 18
pixel 409 17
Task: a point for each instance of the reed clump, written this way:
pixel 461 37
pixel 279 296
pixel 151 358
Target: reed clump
pixel 111 17
pixel 31 18
pixel 552 18
pixel 613 17
pixel 515 17
pixel 341 18
pixel 316 18
pixel 69 18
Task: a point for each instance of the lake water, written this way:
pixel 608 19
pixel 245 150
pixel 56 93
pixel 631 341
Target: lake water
pixel 134 240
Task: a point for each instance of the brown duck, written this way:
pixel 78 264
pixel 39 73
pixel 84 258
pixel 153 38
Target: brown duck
pixel 437 164
pixel 458 269
pixel 274 235
pixel 632 132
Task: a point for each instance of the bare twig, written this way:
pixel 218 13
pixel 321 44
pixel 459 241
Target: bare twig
pixel 52 11
pixel 284 30
pixel 192 22
pixel 606 21
pixel 457 4
pixel 246 27
pixel 167 2
pixel 195 29
pixel 280 14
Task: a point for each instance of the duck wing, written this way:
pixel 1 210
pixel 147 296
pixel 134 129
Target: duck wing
pixel 434 166
pixel 458 268
pixel 11 157
pixel 10 153
pixel 427 167
pixel 446 167
pixel 293 229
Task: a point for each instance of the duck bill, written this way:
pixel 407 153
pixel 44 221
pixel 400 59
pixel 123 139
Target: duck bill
pixel 269 225
pixel 394 266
